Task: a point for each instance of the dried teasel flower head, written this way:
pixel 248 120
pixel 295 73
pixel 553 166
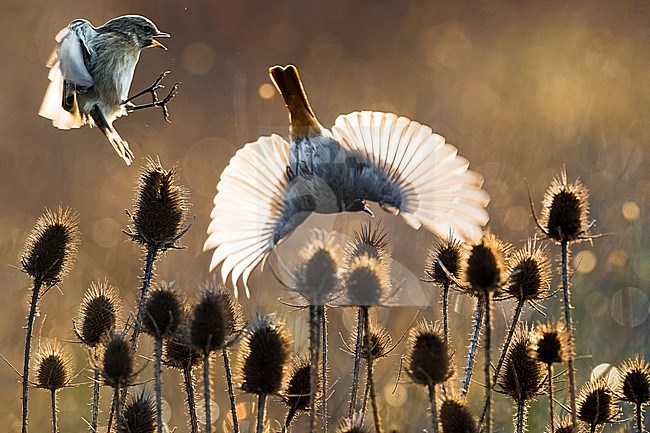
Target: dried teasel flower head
pixel 118 361
pixel 51 247
pixel 551 343
pixel 354 425
pixel 297 392
pixel 486 265
pixel 53 367
pixel 429 361
pixel 317 276
pixel 635 381
pixel 98 313
pixel 446 259
pixel 597 403
pixel 565 210
pixel 265 356
pixel 529 271
pixel 161 207
pixel 370 242
pixel 379 340
pixel 455 417
pixel 139 415
pixel 562 425
pixel 522 375
pixel 164 311
pixel 367 281
pixel 179 353
pixel 214 318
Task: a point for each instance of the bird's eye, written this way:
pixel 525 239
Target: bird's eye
pixel 147 28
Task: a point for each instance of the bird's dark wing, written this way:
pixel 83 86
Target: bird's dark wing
pixel 255 208
pixel 410 170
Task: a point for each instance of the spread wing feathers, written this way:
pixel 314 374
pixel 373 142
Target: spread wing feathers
pixel 254 209
pixel 52 105
pixel 410 170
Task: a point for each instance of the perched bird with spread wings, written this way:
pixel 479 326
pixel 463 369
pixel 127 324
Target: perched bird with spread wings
pixel 271 186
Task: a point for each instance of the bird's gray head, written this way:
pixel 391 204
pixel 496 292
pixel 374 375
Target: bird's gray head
pixel 358 205
pixel 142 29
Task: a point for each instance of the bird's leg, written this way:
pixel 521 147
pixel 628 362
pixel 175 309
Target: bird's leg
pixel 155 101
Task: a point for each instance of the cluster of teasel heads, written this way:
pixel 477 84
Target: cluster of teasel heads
pixel 189 335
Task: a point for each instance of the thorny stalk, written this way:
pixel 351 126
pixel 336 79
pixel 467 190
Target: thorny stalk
pixel 157 361
pixel 473 345
pixel 370 380
pixel 357 366
pixel 569 325
pixel 28 345
pixel 231 392
pixel 188 381
pixel 206 388
pixel 323 321
pixel 55 427
pixel 488 365
pixel 314 350
pixel 261 410
pixel 434 409
pixel 95 403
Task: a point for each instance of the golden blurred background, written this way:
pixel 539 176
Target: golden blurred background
pixel 522 88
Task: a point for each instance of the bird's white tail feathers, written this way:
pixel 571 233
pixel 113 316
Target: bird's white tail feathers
pixel 51 107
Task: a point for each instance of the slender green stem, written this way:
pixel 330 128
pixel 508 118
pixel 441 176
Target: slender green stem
pixel 370 380
pixel 473 345
pixel 158 384
pixel 488 364
pixel 231 392
pixel 261 412
pixel 357 367
pixel 188 379
pixel 206 389
pixel 314 350
pixel 569 325
pixel 55 427
pixel 550 397
pixel 521 417
pixel 434 409
pixel 323 373
pixel 28 346
pixel 95 403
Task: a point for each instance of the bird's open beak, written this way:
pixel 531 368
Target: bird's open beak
pixel 155 43
pixel 367 210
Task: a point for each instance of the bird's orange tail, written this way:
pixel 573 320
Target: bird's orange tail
pixel 287 81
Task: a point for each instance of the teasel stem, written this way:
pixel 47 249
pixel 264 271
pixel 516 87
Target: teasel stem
pixel 434 409
pixel 323 322
pixel 550 397
pixel 231 392
pixel 188 380
pixel 157 362
pixel 487 348
pixel 55 427
pixel 314 351
pixel 370 380
pixel 473 345
pixel 261 411
pixel 95 403
pixel 206 388
pixel 445 312
pixel 357 366
pixel 118 407
pixel 521 417
pixel 569 325
pixel 28 346
pixel 639 417
pixel 152 253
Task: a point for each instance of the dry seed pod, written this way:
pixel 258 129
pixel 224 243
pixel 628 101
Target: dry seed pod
pixel 455 417
pixel 635 381
pixel 551 343
pixel 529 271
pixel 179 353
pixel 317 277
pixel 212 319
pixel 98 313
pixel 597 403
pixel 429 361
pixel 446 259
pixel 118 363
pixel 164 311
pixel 486 265
pixel 53 367
pixel 522 376
pixel 139 415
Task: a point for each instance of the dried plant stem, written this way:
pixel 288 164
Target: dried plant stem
pixel 445 312
pixel 370 380
pixel 188 380
pixel 357 366
pixel 434 409
pixel 639 417
pixel 157 379
pixel 231 392
pixel 28 346
pixel 521 417
pixel 118 407
pixel 592 429
pixel 152 254
pixel 95 403
pixel 261 411
pixel 473 345
pixel 488 377
pixel 323 322
pixel 550 396
pixel 206 389
pixel 314 351
pixel 55 427
pixel 569 326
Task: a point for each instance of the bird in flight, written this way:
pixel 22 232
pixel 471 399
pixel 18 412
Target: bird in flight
pixel 91 70
pixel 271 186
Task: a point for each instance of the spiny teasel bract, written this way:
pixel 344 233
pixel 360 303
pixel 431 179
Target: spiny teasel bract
pixel 265 356
pixel 522 376
pixel 354 425
pixel 565 210
pixel 379 341
pixel 178 352
pixel 214 318
pixel 98 313
pixel 164 311
pixel 455 417
pixel 529 273
pixel 139 415
pixel 634 386
pixel 485 270
pixel 317 276
pixel 161 207
pixel 446 259
pixel 428 361
pixel 296 394
pixel 597 403
pixel 51 247
pixel 117 361
pixel 369 241
pixel 53 367
pixel 551 343
pixel 562 425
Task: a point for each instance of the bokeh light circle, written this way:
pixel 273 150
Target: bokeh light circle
pixel 630 306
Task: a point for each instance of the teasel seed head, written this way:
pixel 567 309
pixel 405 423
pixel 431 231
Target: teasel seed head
pixel 367 281
pixel 429 361
pixel 163 312
pixel 455 417
pixel 51 247
pixel 53 367
pixel 369 241
pixel 139 415
pixel 635 381
pixel 562 425
pixel 265 356
pixel 98 313
pixel 486 265
pixel 446 259
pixel 529 271
pixel 297 392
pixel 354 425
pixel 215 317
pixel 551 343
pixel 565 210
pixel 597 403
pixel 379 340
pixel 118 361
pixel 161 207
pixel 179 353
pixel 522 375
pixel 317 276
